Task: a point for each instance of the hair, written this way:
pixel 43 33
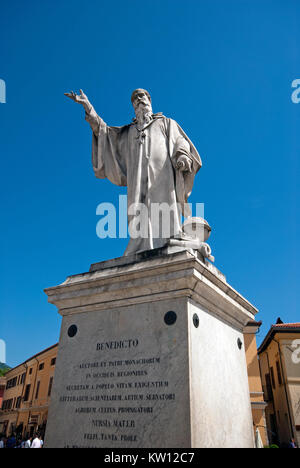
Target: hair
pixel 137 90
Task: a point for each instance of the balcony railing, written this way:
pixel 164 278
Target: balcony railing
pixel 40 402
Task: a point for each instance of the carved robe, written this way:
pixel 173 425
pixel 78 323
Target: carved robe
pixel 144 160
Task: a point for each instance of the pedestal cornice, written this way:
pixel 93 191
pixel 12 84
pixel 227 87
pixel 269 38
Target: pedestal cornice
pixel 120 282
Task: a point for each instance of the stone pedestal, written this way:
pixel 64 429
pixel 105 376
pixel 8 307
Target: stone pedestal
pixel 150 355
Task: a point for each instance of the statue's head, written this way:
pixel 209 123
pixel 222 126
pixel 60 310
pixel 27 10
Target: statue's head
pixel 141 99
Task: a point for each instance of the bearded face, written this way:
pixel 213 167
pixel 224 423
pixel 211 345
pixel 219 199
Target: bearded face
pixel 141 103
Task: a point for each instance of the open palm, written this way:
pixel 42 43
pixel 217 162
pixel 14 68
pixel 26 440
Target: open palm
pixel 80 98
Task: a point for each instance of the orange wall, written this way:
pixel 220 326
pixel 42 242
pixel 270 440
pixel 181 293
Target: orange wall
pixel 255 385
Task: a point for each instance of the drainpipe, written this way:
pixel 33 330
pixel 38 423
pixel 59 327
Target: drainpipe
pixel 285 389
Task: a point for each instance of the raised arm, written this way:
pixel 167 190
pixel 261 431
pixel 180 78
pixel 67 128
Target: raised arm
pixel 90 114
pixel 80 99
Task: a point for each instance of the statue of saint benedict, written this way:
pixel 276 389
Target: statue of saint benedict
pixel 157 162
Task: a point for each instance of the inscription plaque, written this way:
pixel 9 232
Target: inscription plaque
pixel 117 389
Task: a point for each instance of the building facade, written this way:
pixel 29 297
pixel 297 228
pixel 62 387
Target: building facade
pixel 27 394
pixel 2 388
pixel 258 405
pixel 279 357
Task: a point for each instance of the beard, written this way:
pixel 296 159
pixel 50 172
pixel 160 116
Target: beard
pixel 143 113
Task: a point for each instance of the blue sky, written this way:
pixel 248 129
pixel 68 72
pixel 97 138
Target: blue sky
pixel 222 69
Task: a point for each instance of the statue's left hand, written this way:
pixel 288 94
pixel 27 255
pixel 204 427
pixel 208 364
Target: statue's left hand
pixel 184 164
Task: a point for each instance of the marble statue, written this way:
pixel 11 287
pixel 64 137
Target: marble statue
pixel 157 162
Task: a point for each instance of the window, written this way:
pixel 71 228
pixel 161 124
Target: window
pixel 41 366
pixel 7 404
pixel 11 383
pixel 23 377
pixel 50 386
pixel 268 389
pixel 273 432
pixel 53 362
pixel 37 390
pixel 18 403
pixel 27 391
pixel 273 378
pixel 278 373
pixel 30 371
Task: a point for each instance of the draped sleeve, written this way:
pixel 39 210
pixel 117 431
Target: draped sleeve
pixel 109 149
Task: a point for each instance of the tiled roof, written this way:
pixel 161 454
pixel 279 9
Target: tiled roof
pixel 278 328
pixel 287 325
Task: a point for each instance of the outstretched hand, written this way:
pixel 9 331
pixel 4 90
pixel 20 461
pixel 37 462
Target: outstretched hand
pixel 81 99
